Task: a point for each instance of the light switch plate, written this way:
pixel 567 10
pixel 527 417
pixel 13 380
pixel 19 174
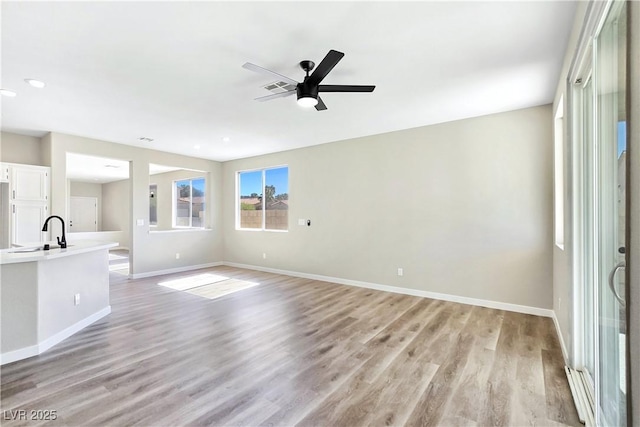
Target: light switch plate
pixel 140 222
pixel 302 221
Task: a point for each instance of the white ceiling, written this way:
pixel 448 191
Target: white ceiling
pixel 97 170
pixel 172 71
pixel 101 170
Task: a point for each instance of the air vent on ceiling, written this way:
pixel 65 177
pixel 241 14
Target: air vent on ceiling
pixel 279 87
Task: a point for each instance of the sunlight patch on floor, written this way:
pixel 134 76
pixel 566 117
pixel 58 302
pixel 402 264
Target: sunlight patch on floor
pixel 226 287
pixel 195 281
pixel 208 285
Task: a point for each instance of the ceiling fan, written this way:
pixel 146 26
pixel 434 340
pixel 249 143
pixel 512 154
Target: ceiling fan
pixel 308 91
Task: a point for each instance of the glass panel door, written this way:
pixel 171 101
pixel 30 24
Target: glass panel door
pixel 610 155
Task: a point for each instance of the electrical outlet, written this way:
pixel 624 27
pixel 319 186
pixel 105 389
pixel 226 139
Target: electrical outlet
pixel 177 255
pixel 76 299
pixel 264 255
pixel 400 271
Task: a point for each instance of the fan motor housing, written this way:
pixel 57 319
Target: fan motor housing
pixel 304 90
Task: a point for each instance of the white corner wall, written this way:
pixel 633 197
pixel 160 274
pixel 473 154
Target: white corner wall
pixel 465 208
pixel 563 294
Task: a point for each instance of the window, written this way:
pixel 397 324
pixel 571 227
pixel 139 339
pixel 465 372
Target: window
pixel 263 199
pixel 189 203
pixel 153 205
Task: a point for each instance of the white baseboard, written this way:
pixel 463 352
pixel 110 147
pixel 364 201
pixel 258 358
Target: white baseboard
pixel 22 353
pixel 174 270
pixel 406 291
pixel 565 354
pixel 34 350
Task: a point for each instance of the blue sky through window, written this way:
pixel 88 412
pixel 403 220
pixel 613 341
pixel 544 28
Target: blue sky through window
pixel 622 137
pixel 251 182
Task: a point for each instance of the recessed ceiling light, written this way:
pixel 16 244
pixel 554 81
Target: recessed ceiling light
pixel 197 147
pixel 226 139
pixel 145 139
pixel 35 83
pixel 7 92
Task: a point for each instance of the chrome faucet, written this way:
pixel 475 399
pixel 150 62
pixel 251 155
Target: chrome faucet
pixel 62 243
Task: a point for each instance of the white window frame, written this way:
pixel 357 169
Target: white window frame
pixel 156 197
pixel 174 203
pixel 558 175
pixel 238 202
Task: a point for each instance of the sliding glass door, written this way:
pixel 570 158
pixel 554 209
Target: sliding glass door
pixel 610 186
pixel 600 116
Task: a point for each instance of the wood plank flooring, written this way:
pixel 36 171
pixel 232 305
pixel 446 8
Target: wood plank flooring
pixel 294 351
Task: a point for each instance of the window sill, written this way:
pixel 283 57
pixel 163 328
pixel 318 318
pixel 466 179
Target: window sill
pixel 180 230
pixel 260 229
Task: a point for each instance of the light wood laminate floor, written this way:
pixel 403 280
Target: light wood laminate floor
pixel 294 351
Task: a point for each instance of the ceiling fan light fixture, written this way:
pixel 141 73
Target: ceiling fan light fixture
pixel 307 101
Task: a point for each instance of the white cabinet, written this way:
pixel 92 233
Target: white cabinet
pixel 4 172
pixel 27 220
pixel 29 183
pixel 28 200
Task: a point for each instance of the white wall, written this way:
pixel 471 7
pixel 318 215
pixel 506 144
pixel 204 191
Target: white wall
pixel 23 149
pixel 633 211
pixel 563 298
pixel 88 189
pixel 150 251
pixel 464 207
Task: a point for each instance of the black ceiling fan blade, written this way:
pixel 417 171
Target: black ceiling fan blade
pixel 327 64
pixel 320 105
pixel 345 88
pixel 275 95
pixel 258 69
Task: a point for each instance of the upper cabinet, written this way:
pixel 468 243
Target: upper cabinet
pixel 29 183
pixel 4 172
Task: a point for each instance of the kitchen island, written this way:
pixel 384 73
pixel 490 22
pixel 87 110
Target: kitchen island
pixel 47 296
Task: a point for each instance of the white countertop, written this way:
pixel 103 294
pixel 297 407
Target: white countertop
pixel 13 255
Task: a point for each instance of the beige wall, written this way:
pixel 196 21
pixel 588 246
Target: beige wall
pixel 464 207
pixel 150 251
pixel 23 149
pixel 116 209
pixel 88 189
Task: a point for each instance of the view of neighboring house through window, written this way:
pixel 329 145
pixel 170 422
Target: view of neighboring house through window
pixel 189 202
pixel 263 202
pixel 153 205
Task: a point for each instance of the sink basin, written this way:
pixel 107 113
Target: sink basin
pixel 24 250
pixel 34 249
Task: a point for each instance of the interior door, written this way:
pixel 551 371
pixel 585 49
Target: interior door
pixel 609 194
pixel 83 214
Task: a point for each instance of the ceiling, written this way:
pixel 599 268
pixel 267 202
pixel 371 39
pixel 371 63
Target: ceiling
pixel 172 71
pixel 102 170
